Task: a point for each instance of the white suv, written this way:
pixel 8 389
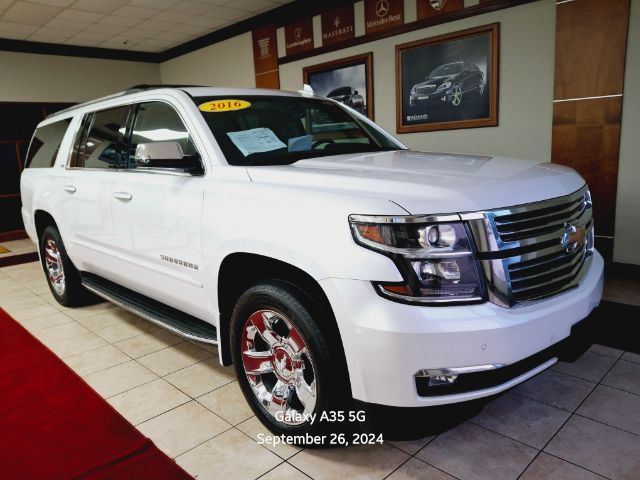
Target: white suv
pixel 326 261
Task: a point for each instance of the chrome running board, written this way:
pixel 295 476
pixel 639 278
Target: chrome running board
pixel 158 313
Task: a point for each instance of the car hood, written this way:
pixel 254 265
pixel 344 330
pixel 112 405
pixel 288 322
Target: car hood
pixel 435 81
pixel 427 183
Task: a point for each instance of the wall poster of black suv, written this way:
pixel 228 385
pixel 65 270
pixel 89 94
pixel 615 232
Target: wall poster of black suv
pixel 449 81
pixel 348 80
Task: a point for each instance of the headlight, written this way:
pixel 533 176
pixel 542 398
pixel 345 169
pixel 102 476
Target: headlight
pixel 435 259
pixel 444 86
pixel 413 90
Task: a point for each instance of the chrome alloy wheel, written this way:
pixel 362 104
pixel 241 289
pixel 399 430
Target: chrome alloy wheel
pixel 279 367
pixel 53 264
pixel 456 95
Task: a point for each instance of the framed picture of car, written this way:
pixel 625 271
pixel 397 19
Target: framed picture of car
pixel 448 82
pixel 348 80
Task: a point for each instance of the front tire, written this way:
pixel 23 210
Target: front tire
pixel 287 359
pixel 456 95
pixel 62 276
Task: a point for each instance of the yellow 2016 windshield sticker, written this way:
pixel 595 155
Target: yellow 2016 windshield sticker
pixel 226 105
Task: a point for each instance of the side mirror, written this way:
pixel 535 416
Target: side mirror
pixel 355 92
pixel 166 155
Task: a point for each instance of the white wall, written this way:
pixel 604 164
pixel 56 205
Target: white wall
pixel 225 64
pixel 527 50
pixel 627 234
pixel 26 77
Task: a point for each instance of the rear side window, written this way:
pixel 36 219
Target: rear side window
pixel 45 144
pixel 102 142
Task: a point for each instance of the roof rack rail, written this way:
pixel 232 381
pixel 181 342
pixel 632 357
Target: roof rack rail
pixel 135 88
pixel 145 86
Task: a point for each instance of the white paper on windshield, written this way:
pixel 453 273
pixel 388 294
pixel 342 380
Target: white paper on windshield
pixel 256 140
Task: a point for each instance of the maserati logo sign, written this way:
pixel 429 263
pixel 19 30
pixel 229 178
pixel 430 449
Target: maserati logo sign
pixel 382 8
pixel 437 4
pixel 337 25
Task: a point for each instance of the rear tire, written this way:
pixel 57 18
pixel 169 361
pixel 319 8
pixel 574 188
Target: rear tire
pixel 62 276
pixel 288 360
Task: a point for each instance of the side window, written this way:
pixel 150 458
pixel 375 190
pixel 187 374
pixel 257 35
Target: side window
pixel 102 142
pixel 158 122
pixel 45 144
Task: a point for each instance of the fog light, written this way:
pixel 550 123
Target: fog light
pixel 442 380
pixel 436 378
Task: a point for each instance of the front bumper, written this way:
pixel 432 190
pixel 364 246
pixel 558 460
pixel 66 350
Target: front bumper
pixel 386 343
pixel 436 97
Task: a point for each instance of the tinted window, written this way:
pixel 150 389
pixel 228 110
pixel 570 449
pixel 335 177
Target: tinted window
pixel 339 92
pixel 45 144
pixel 102 140
pixel 446 70
pixel 270 130
pixel 159 122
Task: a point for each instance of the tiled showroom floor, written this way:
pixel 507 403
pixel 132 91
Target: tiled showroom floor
pixel 575 421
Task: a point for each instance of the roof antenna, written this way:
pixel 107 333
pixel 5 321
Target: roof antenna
pixel 306 90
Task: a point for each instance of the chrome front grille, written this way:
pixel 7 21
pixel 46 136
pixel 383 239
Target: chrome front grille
pixel 545 276
pixel 534 251
pixel 426 90
pixel 535 223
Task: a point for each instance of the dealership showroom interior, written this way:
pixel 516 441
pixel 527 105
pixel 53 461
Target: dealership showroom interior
pixel 338 239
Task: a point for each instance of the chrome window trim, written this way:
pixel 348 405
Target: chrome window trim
pixel 155 170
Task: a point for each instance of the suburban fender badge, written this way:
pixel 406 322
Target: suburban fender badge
pixel 182 263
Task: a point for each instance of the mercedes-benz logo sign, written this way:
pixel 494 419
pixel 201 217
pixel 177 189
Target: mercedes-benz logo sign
pixel 382 8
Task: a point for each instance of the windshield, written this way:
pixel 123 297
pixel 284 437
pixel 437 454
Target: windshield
pixel 446 70
pixel 278 130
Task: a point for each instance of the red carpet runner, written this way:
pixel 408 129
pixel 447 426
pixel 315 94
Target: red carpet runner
pixel 54 426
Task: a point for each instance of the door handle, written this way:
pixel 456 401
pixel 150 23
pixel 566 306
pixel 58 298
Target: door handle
pixel 126 196
pixel 70 188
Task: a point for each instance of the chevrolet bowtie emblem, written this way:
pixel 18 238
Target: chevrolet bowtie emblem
pixel 572 237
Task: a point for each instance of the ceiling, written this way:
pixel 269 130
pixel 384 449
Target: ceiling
pixel 137 25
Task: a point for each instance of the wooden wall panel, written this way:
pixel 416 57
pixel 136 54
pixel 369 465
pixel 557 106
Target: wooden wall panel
pixel 591 40
pixel 586 136
pixel 268 80
pixel 265 57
